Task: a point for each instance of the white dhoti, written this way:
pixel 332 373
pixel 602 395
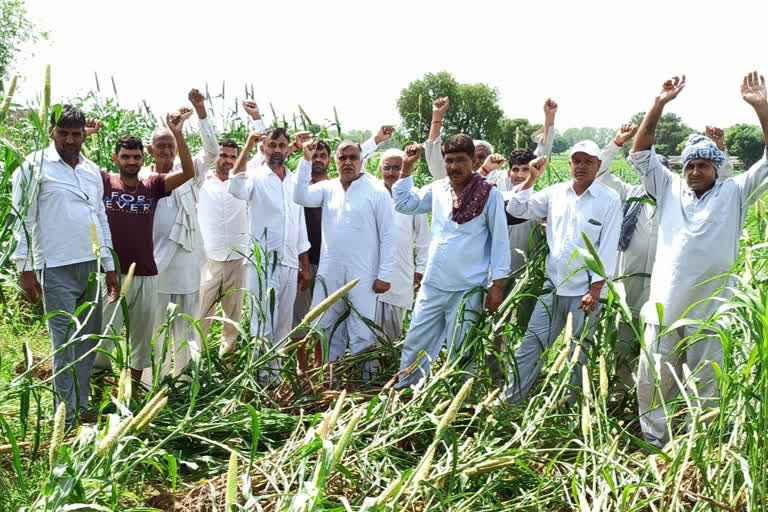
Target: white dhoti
pixel 390 318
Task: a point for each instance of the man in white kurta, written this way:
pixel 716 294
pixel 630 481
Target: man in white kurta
pixel 358 241
pixel 700 222
pixel 412 236
pixel 468 243
pixel 278 232
pixel 179 249
pixel 572 207
pixel 224 225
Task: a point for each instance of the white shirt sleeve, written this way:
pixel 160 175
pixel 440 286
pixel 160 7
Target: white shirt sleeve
pixel 367 148
pixel 410 200
pixel 240 186
pixel 303 245
pixel 753 183
pixel 607 156
pixel 106 234
pixel 208 154
pixel 421 239
pixel 304 193
pixel 527 205
pixel 544 149
pixel 501 257
pixel 387 237
pixel 24 192
pixel 434 155
pixel 655 177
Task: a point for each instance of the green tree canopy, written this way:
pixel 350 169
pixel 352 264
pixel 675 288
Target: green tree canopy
pixel 746 142
pixel 670 132
pixel 474 107
pixel 516 134
pixel 15 30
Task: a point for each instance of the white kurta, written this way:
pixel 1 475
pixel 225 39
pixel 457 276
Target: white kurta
pixel 411 232
pixel 358 242
pixel 698 237
pixel 223 221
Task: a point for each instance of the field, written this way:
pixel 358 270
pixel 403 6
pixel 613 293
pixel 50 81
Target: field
pixel 323 441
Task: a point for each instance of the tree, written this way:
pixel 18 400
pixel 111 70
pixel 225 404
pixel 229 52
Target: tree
pixel 601 136
pixel 746 142
pixel 474 107
pixel 670 132
pixel 15 30
pixel 516 134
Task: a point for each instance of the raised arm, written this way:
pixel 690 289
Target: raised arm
pixel 238 184
pixel 408 200
pixel 434 142
pixel 546 139
pixel 175 179
pixel 752 183
pixel 647 132
pixel 305 193
pixel 523 203
pixel 718 137
pixel 252 109
pixel 369 146
pixel 210 151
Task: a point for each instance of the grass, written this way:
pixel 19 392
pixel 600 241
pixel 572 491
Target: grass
pixel 324 441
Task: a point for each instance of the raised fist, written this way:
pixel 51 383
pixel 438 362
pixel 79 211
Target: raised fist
pixel 185 113
pixel 493 162
pixel 92 126
pixel 717 135
pixel 196 98
pixel 309 147
pixel 626 132
pixel 385 133
pixel 670 89
pixel 252 109
pixel 440 106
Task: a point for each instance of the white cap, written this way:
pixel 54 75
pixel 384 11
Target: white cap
pixel 585 146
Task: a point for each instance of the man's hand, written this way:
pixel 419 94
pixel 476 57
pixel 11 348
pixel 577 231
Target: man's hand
pixel 175 121
pixel 92 126
pixel 309 147
pixel 495 296
pixel 417 277
pixel 626 132
pixel 252 109
pixel 591 300
pixel 550 109
pixel 253 140
pixel 493 162
pixel 113 287
pixel 305 277
pixel 717 135
pixel 385 133
pixel 536 168
pixel 412 154
pixel 380 286
pixel 670 89
pixel 198 102
pixel 31 286
pixel 753 90
pixel 298 142
pixel 440 107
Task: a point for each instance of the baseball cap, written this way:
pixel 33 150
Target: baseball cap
pixel 585 146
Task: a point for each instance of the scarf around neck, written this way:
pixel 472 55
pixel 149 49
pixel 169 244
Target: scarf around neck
pixel 470 203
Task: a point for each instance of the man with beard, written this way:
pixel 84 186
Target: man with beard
pixel 130 203
pixel 700 222
pixel 572 207
pixel 411 232
pixel 469 244
pixel 57 194
pixel 357 242
pixel 179 250
pixel 278 228
pixel 224 224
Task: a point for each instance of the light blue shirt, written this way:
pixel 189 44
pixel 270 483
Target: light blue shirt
pixel 460 255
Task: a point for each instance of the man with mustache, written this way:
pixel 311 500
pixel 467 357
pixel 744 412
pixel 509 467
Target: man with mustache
pixel 278 228
pixel 700 224
pixel 358 241
pixel 411 237
pixel 179 250
pixel 130 203
pixel 469 243
pixel 224 224
pixel 57 196
pixel 578 206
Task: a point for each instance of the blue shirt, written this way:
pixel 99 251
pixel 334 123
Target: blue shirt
pixel 460 255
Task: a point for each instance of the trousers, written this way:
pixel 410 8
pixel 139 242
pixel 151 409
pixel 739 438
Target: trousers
pixel 224 281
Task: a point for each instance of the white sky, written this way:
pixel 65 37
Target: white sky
pixel 602 61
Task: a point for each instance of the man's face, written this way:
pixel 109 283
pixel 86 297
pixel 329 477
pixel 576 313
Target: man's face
pixel 481 153
pixel 275 150
pixel 390 170
pixel 226 160
pixel 459 168
pixel 129 161
pixel 584 168
pixel 518 173
pixel 700 175
pixel 320 162
pixel 163 149
pixel 348 162
pixel 68 140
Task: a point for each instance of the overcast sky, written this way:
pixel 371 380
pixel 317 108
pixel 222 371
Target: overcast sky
pixel 601 61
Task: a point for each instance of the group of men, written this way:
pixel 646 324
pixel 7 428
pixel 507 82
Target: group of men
pixel 287 239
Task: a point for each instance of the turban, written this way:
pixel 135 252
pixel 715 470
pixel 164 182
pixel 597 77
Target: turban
pixel 699 146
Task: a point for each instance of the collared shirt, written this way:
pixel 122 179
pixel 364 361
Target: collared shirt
pixel 460 255
pixel 411 232
pixel 179 250
pixel 698 237
pixel 277 223
pixel 596 212
pixel 62 204
pixel 223 220
pixel 358 234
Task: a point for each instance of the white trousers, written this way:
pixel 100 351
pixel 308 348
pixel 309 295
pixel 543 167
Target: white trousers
pixel 173 348
pixel 271 297
pixel 390 318
pixel 436 320
pixel 223 280
pixel 660 352
pixel 339 322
